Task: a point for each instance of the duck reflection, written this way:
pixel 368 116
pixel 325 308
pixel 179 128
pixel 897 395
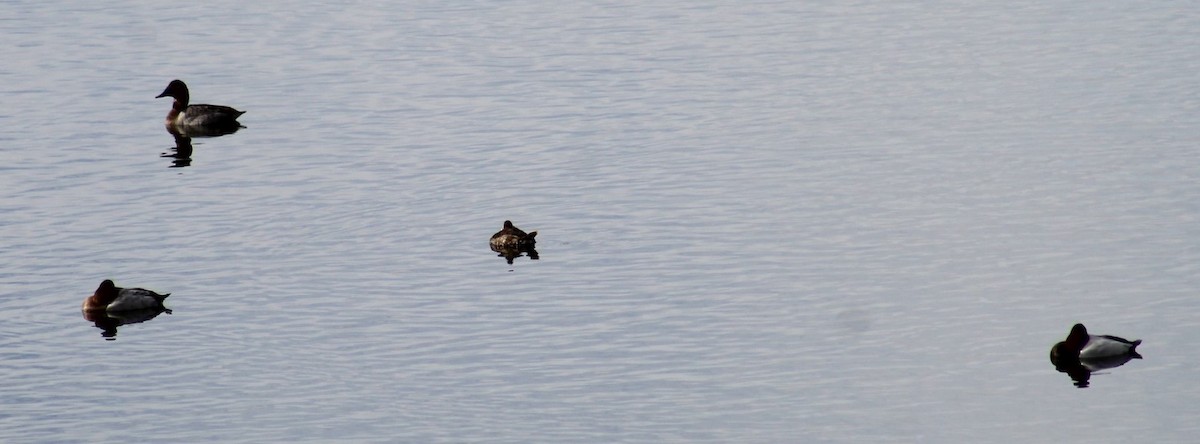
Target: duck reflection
pixel 108 322
pixel 182 152
pixel 1080 369
pixel 510 253
pixel 203 131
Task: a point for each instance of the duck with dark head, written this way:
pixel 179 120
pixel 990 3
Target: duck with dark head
pixel 1081 345
pixel 1082 354
pixel 512 237
pixel 111 298
pixel 198 120
pixel 511 242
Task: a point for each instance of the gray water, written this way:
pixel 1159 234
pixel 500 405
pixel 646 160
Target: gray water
pixel 758 221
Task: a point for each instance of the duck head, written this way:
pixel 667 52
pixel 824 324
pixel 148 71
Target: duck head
pixel 1078 336
pixel 176 89
pixel 1070 347
pixel 105 294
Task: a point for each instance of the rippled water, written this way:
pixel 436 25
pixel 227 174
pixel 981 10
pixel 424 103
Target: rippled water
pixel 758 222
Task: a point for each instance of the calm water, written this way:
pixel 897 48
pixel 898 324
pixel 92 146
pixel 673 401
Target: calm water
pixel 759 222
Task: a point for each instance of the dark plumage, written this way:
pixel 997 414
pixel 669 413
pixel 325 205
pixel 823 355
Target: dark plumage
pixel 511 237
pixel 198 120
pixel 1081 345
pixel 110 297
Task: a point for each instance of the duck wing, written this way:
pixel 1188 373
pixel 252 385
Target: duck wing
pixel 1102 346
pixel 1122 340
pixel 211 115
pixel 136 299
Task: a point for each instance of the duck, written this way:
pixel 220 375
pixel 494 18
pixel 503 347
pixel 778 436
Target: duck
pixel 197 119
pixel 1080 345
pixel 111 298
pixel 511 237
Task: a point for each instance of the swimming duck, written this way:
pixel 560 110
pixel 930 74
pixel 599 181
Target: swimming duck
pixel 110 297
pixel 198 119
pixel 512 237
pixel 1080 345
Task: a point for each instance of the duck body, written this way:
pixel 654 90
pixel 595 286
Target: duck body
pixel 111 298
pixel 197 120
pixel 1083 346
pixel 204 116
pixel 511 237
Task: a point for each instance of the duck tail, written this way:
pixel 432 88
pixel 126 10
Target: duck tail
pixel 161 298
pixel 1133 346
pixel 532 234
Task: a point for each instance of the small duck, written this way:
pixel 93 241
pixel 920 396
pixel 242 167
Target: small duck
pixel 1080 345
pixel 111 298
pixel 198 119
pixel 512 237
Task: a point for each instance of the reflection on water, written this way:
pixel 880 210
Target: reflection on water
pixel 108 322
pixel 510 253
pixel 194 131
pixel 182 152
pixel 1080 370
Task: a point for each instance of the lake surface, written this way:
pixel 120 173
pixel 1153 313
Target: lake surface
pixel 759 222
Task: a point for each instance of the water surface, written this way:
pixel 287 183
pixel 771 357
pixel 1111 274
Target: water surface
pixel 758 222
